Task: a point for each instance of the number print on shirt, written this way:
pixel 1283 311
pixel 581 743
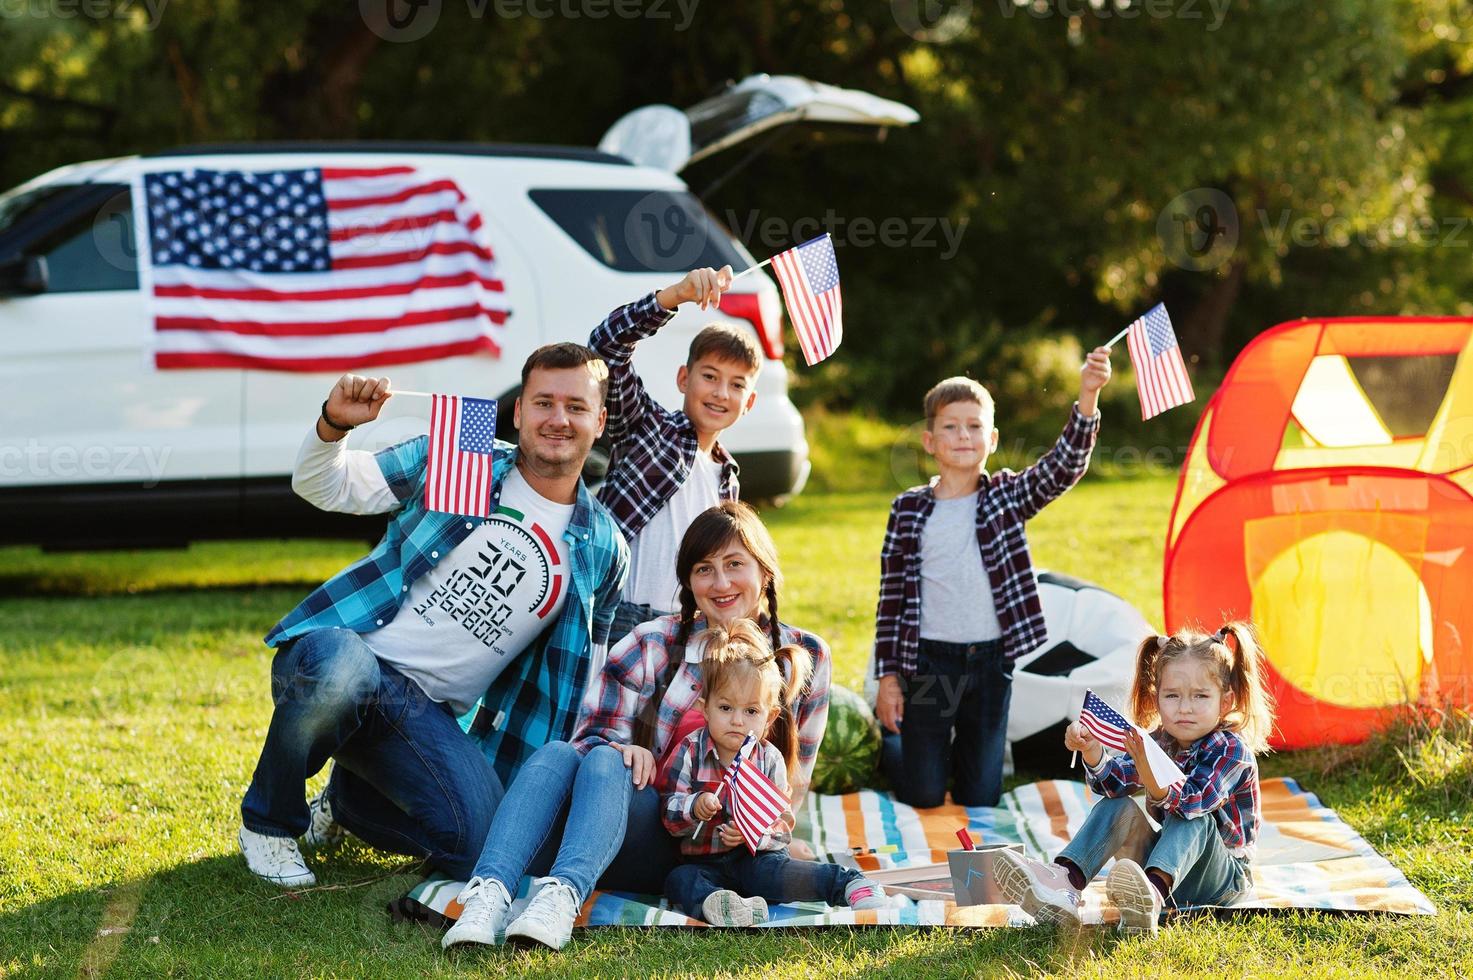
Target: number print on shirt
pixel 521 571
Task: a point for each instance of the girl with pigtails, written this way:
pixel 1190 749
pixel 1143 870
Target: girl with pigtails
pixel 1205 695
pixel 586 813
pixel 747 690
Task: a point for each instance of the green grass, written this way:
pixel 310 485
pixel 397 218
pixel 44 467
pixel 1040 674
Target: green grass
pixel 134 697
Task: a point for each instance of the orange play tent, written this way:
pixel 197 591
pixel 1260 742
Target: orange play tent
pixel 1326 496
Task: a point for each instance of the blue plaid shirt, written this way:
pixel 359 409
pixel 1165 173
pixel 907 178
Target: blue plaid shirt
pixel 653 447
pixel 1222 783
pixel 535 699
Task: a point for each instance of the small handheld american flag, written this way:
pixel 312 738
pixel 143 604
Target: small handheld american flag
pixel 809 276
pixel 1103 721
pixel 754 802
pixel 462 433
pixel 1160 374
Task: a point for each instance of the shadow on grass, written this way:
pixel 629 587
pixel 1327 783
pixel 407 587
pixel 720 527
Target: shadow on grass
pixel 210 917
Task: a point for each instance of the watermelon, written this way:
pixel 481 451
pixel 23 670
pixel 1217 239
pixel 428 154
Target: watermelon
pixel 850 751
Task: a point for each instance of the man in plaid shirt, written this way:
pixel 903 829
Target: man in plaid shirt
pixel 958 598
pixel 667 466
pixel 437 633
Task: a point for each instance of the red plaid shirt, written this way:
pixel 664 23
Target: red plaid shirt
pixel 627 683
pixel 653 447
pixel 695 769
pixel 1222 782
pixel 1006 501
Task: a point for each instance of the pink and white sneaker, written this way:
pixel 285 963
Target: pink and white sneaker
pixel 861 893
pixel 1043 890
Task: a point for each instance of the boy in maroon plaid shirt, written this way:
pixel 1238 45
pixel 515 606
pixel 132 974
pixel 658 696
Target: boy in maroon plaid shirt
pixel 958 598
pixel 665 467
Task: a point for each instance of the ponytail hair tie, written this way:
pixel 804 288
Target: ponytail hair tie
pixel 1161 642
pixel 1226 637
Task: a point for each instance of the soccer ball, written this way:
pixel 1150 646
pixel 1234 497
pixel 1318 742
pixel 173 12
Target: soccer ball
pixel 1093 636
pixel 1092 640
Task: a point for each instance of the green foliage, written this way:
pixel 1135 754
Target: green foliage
pixel 1050 145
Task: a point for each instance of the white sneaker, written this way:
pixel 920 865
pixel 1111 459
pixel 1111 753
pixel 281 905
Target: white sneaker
pixel 548 918
pixel 275 859
pixel 323 831
pixel 1136 898
pixel 861 893
pixel 727 908
pixel 1043 890
pixel 483 907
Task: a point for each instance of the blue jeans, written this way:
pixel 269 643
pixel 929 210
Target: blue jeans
pixel 407 779
pixel 628 615
pixel 1190 851
pixel 961 688
pixel 649 853
pixel 772 875
pixel 563 816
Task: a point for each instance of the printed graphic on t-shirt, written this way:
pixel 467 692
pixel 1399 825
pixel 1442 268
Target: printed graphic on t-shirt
pixel 512 583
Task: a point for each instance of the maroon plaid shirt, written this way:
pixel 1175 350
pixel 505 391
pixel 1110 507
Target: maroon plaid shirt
pixel 653 447
pixel 646 665
pixel 696 769
pixel 1006 501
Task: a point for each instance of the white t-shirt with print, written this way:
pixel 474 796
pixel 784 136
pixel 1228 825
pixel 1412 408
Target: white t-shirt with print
pixel 485 602
pixel 652 553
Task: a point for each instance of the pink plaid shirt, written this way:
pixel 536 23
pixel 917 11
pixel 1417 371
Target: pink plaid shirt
pixel 626 687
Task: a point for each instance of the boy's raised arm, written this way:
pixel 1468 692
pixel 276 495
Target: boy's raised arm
pixel 614 341
pixel 1062 466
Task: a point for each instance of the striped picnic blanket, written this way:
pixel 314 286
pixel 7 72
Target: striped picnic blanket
pixel 1308 858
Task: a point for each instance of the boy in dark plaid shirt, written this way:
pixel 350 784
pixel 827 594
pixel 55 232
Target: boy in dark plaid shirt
pixel 667 466
pixel 958 599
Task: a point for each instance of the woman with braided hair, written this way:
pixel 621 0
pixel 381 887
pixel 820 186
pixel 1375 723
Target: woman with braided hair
pixel 587 812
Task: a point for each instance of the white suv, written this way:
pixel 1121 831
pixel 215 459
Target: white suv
pixel 98 448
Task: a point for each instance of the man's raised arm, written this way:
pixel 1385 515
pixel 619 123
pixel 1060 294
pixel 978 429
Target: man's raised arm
pixel 329 475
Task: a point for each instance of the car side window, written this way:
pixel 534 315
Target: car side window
pixel 640 230
pixel 92 248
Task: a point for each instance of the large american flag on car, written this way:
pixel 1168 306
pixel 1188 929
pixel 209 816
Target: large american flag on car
pixel 316 269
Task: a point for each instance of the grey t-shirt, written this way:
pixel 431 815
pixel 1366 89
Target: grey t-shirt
pixel 956 595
